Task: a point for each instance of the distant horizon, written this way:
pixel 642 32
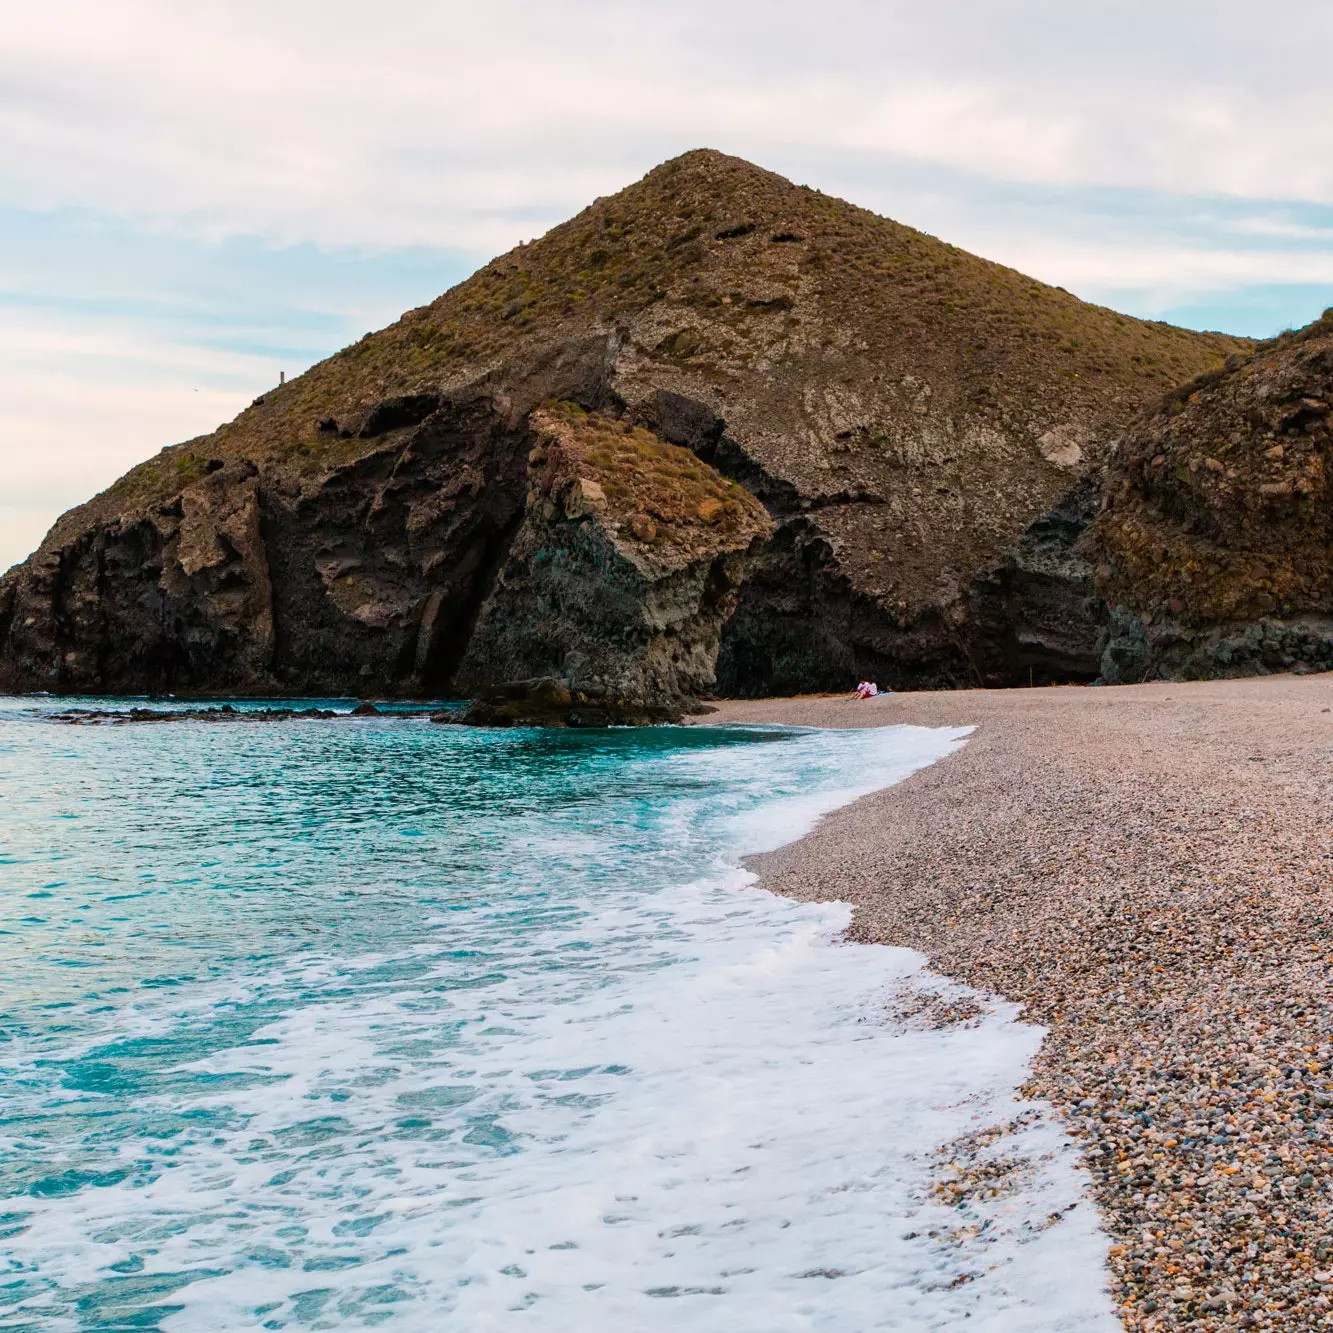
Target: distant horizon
pixel 192 203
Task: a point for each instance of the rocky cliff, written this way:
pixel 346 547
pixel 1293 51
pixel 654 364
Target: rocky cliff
pixel 1199 545
pixel 626 567
pixel 901 409
pixel 1213 547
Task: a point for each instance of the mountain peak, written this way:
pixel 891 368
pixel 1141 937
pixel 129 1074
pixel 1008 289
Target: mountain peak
pixel 902 408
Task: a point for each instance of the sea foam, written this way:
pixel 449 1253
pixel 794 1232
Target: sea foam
pixel 612 1085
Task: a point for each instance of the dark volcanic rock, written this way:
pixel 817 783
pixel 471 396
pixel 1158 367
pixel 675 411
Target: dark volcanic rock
pixel 1034 617
pixel 1214 544
pixel 1201 549
pixel 1133 651
pixel 1219 505
pixel 363 576
pixel 803 625
pixel 626 567
pixel 901 408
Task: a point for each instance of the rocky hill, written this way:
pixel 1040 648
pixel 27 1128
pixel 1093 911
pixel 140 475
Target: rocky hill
pixel 901 409
pixel 1198 545
pixel 1213 547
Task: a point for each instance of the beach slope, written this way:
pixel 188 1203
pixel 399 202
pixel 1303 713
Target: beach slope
pixel 1147 869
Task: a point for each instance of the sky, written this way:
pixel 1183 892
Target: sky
pixel 195 198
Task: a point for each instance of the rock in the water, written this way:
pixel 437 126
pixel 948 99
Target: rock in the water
pixel 221 713
pixel 549 702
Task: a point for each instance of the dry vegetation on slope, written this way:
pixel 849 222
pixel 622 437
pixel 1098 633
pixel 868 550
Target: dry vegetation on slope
pixel 1218 506
pixel 659 500
pixel 902 408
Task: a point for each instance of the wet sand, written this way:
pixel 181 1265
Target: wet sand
pixel 1147 869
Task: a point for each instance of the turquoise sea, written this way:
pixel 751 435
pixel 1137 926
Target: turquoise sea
pixel 356 1022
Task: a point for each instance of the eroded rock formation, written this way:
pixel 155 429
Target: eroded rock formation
pixel 903 410
pixel 1200 547
pixel 628 564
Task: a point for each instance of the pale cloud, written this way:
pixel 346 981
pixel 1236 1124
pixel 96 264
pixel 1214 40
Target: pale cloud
pixel 423 123
pixel 83 404
pixel 1091 268
pixel 1283 230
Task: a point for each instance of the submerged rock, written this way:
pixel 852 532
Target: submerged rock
pixel 221 713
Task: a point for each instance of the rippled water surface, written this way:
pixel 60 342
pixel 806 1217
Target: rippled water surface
pixel 334 1024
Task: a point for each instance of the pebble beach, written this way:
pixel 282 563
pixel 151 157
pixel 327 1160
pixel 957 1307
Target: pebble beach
pixel 1147 869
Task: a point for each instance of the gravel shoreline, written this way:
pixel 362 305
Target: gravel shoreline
pixel 1147 869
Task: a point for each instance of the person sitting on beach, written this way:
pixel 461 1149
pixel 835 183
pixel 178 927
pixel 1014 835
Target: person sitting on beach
pixel 867 689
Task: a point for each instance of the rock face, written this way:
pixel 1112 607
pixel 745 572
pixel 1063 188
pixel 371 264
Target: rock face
pixel 361 577
pixel 625 569
pixel 1218 505
pixel 1201 547
pixel 903 410
pixel 1214 544
pixel 1034 617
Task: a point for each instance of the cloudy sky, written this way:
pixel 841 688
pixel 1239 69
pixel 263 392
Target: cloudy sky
pixel 195 197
